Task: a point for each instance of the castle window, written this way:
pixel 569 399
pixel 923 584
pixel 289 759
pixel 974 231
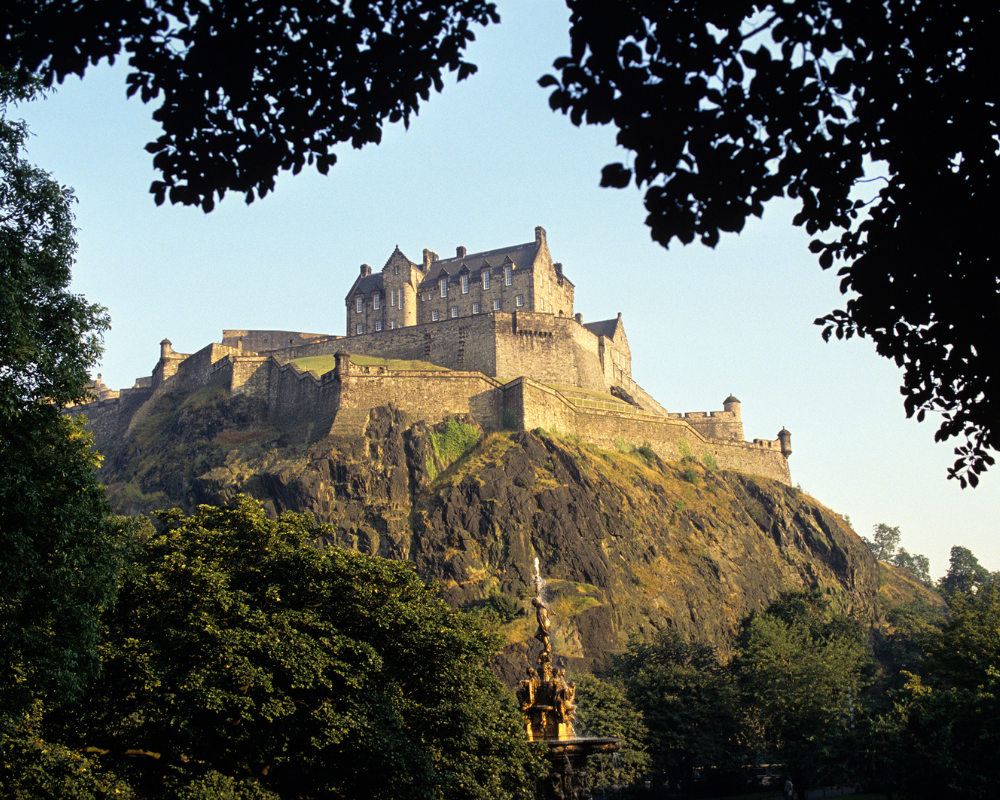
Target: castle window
pixel 496 304
pixel 520 300
pixel 376 302
pixel 392 324
pixel 465 284
pixel 435 315
pixel 444 287
pixel 392 298
pixel 475 308
pixel 508 275
pixel 454 311
pixel 360 304
pixel 486 279
pixel 360 329
pixel 378 324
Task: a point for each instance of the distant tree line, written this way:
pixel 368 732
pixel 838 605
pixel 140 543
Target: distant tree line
pixel 908 710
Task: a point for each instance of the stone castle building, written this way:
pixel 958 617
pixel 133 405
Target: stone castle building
pixel 492 334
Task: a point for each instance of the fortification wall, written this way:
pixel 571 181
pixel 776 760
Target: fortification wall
pixel 714 424
pixel 266 341
pixel 431 396
pixel 537 406
pixel 298 399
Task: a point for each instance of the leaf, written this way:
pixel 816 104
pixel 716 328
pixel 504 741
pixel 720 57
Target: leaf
pixel 616 176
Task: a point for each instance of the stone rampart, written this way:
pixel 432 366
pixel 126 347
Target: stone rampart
pixel 268 341
pixel 536 406
pixel 430 396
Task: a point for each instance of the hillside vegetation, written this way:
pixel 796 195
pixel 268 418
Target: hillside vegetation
pixel 628 543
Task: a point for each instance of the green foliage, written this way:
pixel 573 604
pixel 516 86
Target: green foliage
pixel 965 573
pixel 946 731
pixel 60 554
pixel 684 449
pixel 686 700
pixel 916 566
pixel 508 419
pixel 725 106
pixel 884 541
pixel 244 659
pixel 603 709
pixel 710 462
pixel 801 670
pixel 690 475
pixel 453 441
pixel 31 768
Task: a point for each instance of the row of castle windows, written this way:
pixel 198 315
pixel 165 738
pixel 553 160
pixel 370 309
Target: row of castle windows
pixel 508 277
pixel 436 315
pixel 395 299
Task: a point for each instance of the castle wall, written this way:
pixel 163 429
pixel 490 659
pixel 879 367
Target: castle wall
pixel 297 399
pixel 431 396
pixel 537 406
pixel 714 424
pixel 266 341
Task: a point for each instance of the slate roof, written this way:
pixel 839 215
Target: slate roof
pixel 606 327
pixel 521 255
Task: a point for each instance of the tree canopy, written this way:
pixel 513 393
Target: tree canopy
pixel 240 653
pixel 59 550
pixel 725 106
pixel 249 90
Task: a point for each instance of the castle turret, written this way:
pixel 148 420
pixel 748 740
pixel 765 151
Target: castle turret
pixel 165 348
pixel 785 437
pixel 732 404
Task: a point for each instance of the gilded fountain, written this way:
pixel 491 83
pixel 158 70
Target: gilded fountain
pixel 547 701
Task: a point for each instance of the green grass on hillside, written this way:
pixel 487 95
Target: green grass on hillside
pixel 320 365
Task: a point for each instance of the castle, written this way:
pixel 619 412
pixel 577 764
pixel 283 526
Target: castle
pixel 490 334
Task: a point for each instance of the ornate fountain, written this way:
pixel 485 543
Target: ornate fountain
pixel 547 701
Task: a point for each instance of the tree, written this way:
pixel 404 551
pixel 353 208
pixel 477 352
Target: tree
pixel 242 653
pixel 252 89
pixel 884 541
pixel 686 700
pixel 604 710
pixel 59 550
pixel 801 669
pixel 725 106
pixel 950 739
pixel 965 573
pixel 917 566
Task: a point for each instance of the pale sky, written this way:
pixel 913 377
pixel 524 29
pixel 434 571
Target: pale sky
pixel 481 166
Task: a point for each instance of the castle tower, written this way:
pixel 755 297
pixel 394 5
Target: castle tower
pixel 785 437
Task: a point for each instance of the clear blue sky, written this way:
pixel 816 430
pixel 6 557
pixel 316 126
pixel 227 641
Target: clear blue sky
pixel 481 166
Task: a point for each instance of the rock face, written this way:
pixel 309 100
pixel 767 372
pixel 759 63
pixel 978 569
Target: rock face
pixel 629 544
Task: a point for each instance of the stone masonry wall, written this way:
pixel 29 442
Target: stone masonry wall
pixel 431 396
pixel 537 406
pixel 266 341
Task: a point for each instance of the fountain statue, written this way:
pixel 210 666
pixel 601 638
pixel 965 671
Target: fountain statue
pixel 547 701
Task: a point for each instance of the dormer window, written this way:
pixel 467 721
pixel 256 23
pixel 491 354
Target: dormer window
pixel 465 284
pixel 444 287
pixel 486 279
pixel 508 275
pixel 360 304
pixel 376 302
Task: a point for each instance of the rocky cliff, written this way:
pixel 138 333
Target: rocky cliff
pixel 629 544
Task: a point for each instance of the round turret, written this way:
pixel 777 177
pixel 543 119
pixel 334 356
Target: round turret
pixel 785 437
pixel 165 348
pixel 732 404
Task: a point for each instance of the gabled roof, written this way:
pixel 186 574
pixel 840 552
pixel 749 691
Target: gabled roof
pixel 606 327
pixel 365 284
pixel 520 255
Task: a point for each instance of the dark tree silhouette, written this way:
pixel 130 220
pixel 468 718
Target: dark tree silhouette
pixel 727 105
pixel 251 89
